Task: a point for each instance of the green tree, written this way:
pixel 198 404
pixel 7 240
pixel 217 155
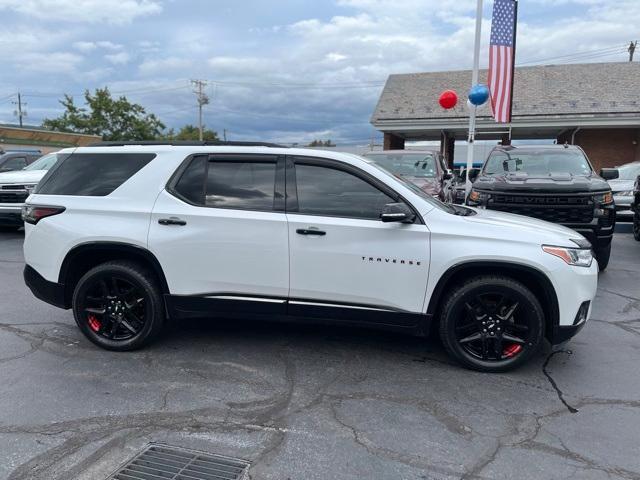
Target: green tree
pixel 112 119
pixel 190 132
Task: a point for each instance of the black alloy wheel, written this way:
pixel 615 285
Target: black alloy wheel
pixel 492 323
pixel 117 306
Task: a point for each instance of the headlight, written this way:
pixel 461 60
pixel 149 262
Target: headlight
pixel 605 198
pixel 579 257
pixel 30 188
pixel 478 198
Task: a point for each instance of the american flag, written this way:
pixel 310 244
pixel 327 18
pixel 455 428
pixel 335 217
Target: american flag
pixel 501 56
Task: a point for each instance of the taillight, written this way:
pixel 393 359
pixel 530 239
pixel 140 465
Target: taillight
pixel 34 213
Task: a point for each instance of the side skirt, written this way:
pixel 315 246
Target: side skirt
pixel 181 307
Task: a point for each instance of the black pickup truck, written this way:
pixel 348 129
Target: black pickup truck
pixel 555 183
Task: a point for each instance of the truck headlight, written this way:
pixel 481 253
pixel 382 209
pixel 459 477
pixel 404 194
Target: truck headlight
pixel 30 188
pixel 579 257
pixel 605 198
pixel 477 198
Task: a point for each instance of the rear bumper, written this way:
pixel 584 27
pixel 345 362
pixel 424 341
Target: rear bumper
pixel 49 292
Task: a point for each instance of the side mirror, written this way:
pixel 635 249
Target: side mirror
pixel 609 173
pixel 473 174
pixel 397 212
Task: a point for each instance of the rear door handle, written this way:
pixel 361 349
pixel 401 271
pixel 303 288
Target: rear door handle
pixel 172 221
pixel 309 231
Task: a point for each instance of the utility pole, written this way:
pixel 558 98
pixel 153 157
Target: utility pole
pixel 19 112
pixel 474 81
pixel 224 134
pixel 632 49
pixel 202 100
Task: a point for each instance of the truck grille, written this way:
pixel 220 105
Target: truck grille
pixel 564 209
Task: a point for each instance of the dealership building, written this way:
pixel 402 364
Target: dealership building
pixel 16 137
pixel 594 105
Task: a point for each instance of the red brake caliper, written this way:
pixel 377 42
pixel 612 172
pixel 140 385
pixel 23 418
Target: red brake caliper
pixel 512 350
pixel 94 323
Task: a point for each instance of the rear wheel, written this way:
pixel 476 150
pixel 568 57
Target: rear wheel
pixel 602 256
pixel 492 324
pixel 118 306
pixel 636 226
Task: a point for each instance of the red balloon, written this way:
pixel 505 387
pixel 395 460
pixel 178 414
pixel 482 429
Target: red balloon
pixel 448 99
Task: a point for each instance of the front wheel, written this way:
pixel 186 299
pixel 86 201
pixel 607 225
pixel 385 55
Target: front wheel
pixel 492 324
pixel 118 306
pixel 603 254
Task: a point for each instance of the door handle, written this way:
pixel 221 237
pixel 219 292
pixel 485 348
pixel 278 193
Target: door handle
pixel 309 231
pixel 172 221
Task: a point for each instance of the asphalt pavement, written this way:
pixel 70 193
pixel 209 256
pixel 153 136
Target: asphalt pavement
pixel 318 402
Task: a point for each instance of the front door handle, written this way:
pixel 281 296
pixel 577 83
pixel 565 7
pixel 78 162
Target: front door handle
pixel 310 231
pixel 172 221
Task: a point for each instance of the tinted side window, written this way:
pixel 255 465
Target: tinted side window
pixel 335 193
pixel 191 184
pixel 242 184
pixel 93 174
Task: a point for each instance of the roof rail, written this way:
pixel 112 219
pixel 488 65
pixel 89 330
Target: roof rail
pixel 188 143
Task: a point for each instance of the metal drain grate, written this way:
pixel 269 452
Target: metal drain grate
pixel 162 462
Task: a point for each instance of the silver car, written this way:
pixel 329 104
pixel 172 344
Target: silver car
pixel 622 189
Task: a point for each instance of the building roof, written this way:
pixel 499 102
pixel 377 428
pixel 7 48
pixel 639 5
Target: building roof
pixel 541 93
pixel 38 136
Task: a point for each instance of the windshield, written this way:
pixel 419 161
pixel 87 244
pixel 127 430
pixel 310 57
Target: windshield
pixel 630 171
pixel 413 187
pixel 43 163
pixel 542 162
pixel 407 164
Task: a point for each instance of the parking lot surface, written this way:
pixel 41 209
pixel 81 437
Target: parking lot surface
pixel 303 402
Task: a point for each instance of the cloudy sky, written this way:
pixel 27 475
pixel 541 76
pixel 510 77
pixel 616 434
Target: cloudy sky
pixel 278 70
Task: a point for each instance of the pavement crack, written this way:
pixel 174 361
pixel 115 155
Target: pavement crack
pixel 553 382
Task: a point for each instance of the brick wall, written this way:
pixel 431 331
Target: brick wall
pixel 607 147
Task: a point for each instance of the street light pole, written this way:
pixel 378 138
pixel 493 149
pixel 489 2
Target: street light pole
pixel 474 81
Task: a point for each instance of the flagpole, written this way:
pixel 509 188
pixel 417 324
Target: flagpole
pixel 474 81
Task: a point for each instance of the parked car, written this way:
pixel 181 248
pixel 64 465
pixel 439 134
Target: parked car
pixel 635 206
pixel 15 187
pixel 460 184
pixel 11 160
pixel 129 235
pixel 424 168
pixel 622 188
pixel 555 183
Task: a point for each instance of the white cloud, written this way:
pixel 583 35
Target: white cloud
pixel 81 11
pixel 165 65
pixel 120 58
pixel 86 47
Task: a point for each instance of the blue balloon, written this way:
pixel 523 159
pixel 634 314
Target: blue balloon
pixel 479 94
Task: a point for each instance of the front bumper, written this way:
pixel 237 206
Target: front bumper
pixel 623 208
pixel 49 292
pixel 576 289
pixel 11 215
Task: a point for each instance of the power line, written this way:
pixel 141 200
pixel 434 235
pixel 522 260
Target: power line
pixel 588 53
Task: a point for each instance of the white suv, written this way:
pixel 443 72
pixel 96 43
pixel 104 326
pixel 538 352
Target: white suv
pixel 130 235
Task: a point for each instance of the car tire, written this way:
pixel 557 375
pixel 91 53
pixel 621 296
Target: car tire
pixel 508 337
pixel 636 226
pixel 118 306
pixel 603 255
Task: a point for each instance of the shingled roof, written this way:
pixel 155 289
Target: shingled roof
pixel 548 91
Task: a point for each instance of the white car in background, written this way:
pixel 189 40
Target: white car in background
pixel 16 186
pixel 622 189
